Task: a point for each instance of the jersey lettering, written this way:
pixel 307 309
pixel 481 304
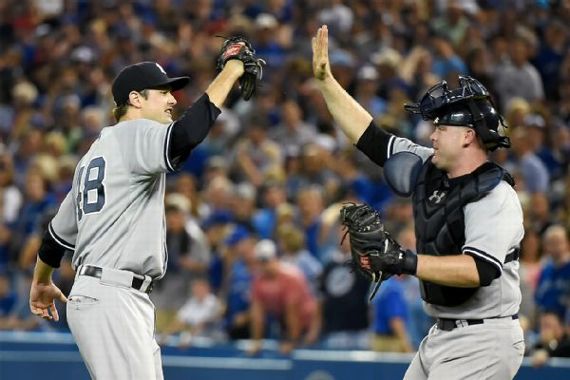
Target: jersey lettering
pixel 91 198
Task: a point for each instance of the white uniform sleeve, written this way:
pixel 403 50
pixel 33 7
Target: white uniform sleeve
pixel 63 226
pixel 400 144
pixel 146 148
pixel 493 225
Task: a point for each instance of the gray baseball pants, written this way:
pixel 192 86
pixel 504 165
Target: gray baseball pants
pixel 492 350
pixel 113 326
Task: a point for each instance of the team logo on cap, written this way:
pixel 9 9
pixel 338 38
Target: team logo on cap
pixel 160 68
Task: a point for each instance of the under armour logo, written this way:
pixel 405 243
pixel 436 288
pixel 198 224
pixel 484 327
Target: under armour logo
pixel 437 196
pixel 160 68
pixel 461 323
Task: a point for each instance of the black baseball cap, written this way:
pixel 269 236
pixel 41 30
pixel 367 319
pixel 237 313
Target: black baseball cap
pixel 141 76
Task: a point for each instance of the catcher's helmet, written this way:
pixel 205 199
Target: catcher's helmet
pixel 470 105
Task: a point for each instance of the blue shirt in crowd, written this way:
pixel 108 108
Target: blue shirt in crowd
pixel 389 303
pixel 553 290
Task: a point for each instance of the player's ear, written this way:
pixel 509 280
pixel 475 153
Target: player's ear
pixel 135 99
pixel 469 137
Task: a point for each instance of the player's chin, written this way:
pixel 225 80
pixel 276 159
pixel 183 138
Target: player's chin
pixel 167 116
pixel 438 162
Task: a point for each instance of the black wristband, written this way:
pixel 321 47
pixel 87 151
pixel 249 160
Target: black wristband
pixel 410 262
pixel 51 252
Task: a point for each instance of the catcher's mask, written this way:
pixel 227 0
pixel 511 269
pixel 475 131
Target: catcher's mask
pixel 470 105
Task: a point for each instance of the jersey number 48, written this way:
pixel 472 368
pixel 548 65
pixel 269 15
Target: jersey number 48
pixel 91 196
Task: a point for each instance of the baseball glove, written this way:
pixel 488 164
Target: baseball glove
pixel 238 47
pixel 374 253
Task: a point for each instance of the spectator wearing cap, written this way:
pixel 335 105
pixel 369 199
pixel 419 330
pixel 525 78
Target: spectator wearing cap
pixel 239 261
pixel 367 85
pixel 343 65
pixel 545 141
pixel 280 293
pixel 244 204
pixel 525 161
pixel 218 194
pixel 267 44
pixel 215 228
pixel 388 63
pixel 24 96
pixel 216 166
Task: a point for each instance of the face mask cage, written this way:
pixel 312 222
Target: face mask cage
pixel 440 96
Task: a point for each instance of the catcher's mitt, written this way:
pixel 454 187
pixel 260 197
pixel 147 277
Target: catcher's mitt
pixel 374 252
pixel 238 47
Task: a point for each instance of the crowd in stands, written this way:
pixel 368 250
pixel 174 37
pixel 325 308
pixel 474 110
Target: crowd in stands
pixel 256 205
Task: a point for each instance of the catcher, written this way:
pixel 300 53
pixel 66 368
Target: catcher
pixel 468 223
pixel 113 217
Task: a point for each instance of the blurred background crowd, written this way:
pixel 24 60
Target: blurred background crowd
pixel 257 202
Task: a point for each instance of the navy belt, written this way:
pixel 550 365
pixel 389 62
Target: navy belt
pixel 137 282
pixel 446 324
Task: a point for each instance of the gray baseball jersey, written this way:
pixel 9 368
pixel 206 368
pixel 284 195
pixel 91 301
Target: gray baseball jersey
pixel 113 217
pixel 493 229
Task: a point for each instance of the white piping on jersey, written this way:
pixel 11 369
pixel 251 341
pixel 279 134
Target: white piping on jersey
pixel 390 146
pixel 59 240
pixel 485 256
pixel 166 146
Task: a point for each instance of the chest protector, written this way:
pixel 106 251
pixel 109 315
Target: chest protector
pixel 439 220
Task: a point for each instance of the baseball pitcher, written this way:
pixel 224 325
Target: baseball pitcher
pixel 114 220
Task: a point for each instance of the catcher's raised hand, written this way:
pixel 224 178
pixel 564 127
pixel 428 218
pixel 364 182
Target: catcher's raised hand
pixel 321 63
